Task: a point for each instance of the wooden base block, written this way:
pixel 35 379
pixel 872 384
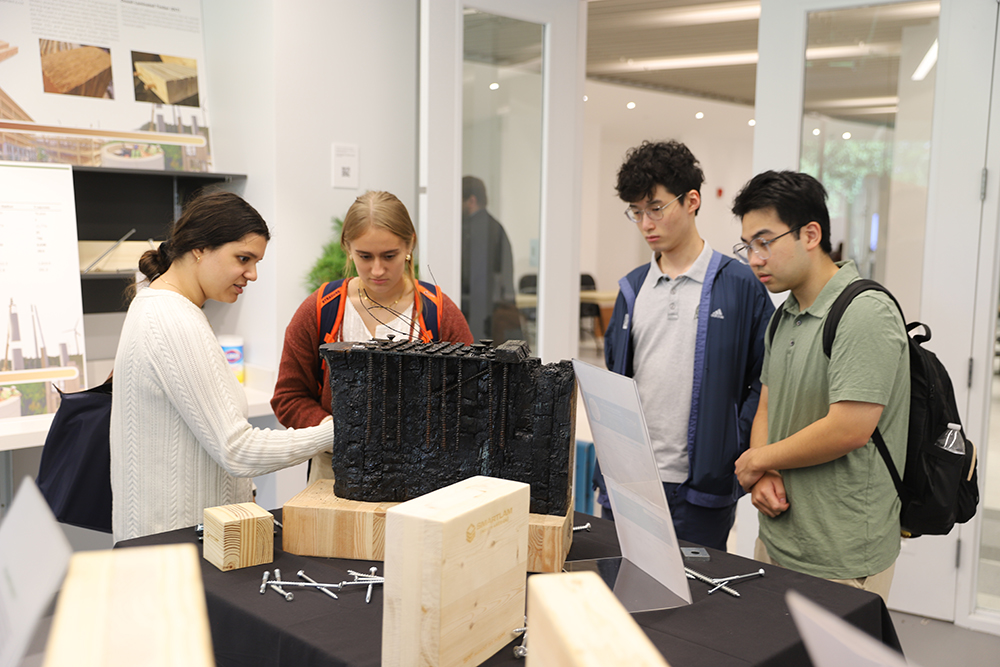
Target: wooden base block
pixel 238 536
pixel 138 606
pixel 318 523
pixel 576 621
pixel 455 570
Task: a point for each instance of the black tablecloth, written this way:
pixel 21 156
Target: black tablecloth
pixel 716 630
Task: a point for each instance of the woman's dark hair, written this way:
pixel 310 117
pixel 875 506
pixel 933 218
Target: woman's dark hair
pixel 210 220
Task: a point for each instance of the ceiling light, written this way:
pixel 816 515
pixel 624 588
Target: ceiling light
pixel 630 105
pixel 584 98
pixel 699 115
pixel 722 12
pixel 815 131
pixel 924 68
pixel 845 135
pixel 751 122
pixel 494 86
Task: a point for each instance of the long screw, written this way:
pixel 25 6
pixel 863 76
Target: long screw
pixel 301 574
pixel 368 596
pixel 304 584
pixel 711 582
pixel 727 580
pixel 585 527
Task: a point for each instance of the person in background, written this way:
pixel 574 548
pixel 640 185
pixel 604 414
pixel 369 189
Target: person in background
pixel 827 504
pixel 488 298
pixel 689 327
pixel 385 299
pixel 180 440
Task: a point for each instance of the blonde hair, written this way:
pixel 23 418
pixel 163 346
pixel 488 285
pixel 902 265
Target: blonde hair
pixel 376 209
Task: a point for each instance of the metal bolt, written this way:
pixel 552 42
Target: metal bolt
pixel 278 589
pixel 304 584
pixel 263 581
pixel 368 596
pixel 722 582
pixel 301 574
pixel 585 527
pixel 711 582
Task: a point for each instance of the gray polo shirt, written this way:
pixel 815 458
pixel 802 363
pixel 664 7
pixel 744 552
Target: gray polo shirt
pixel 664 331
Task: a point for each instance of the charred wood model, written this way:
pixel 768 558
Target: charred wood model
pixel 414 417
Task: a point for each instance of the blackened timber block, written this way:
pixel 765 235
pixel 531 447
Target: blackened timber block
pixel 412 418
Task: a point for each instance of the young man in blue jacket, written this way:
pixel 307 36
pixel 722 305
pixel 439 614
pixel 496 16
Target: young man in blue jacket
pixel 689 327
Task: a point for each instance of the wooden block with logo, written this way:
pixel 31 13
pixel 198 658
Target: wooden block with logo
pixel 238 536
pixel 455 567
pixel 575 620
pixel 137 606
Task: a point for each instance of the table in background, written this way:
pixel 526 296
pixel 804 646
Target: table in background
pixel 717 630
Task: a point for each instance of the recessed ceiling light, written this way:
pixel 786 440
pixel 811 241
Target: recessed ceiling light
pixel 751 122
pixel 815 131
pixel 630 105
pixel 494 86
pixel 699 115
pixel 846 135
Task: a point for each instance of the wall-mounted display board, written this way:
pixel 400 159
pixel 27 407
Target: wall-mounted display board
pixel 41 323
pixel 104 84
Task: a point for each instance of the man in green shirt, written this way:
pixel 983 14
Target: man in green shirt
pixel 828 505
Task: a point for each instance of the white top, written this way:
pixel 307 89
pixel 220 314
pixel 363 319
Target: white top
pixel 180 440
pixel 665 331
pixel 353 327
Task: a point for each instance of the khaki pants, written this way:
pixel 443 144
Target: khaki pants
pixel 876 583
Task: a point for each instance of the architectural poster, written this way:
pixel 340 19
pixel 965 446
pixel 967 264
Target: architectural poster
pixel 108 83
pixel 41 324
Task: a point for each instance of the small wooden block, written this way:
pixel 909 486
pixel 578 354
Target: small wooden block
pixel 549 540
pixel 170 82
pixel 575 620
pixel 238 536
pixel 137 606
pixel 318 523
pixel 455 565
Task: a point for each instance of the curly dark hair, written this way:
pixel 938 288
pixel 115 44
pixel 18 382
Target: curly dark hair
pixel 667 163
pixel 796 198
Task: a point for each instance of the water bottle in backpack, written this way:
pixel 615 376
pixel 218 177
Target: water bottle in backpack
pixel 951 440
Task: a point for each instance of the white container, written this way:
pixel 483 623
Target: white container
pixel 232 346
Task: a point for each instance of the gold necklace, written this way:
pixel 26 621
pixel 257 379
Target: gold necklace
pixel 364 295
pixel 176 288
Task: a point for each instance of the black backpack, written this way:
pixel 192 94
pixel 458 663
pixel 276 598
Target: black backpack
pixel 939 488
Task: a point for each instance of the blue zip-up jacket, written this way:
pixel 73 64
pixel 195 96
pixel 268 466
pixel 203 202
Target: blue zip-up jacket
pixel 729 353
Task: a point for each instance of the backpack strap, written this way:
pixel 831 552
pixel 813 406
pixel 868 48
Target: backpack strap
pixel 431 309
pixel 330 302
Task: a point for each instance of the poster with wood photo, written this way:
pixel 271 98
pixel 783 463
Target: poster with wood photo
pixel 41 324
pixel 104 84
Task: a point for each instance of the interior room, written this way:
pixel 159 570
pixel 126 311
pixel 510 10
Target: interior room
pixel 308 104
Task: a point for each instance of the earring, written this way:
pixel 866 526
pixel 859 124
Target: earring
pixel 409 257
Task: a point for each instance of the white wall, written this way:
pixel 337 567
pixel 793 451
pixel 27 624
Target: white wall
pixel 722 141
pixel 288 80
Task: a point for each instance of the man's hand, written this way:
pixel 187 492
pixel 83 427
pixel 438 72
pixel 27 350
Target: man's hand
pixel 768 494
pixel 746 471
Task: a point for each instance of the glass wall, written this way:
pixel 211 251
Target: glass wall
pixel 501 165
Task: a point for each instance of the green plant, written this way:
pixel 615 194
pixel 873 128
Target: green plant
pixel 329 265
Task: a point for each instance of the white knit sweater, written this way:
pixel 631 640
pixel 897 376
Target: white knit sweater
pixel 180 440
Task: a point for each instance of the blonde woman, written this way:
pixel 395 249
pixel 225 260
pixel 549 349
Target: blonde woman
pixel 385 298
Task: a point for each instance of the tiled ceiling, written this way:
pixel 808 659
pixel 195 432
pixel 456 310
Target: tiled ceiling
pixel 708 48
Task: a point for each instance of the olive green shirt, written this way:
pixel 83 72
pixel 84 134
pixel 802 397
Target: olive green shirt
pixel 843 516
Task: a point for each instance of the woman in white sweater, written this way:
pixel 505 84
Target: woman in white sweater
pixel 180 440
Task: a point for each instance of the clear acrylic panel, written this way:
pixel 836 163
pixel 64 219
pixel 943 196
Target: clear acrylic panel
pixel 501 162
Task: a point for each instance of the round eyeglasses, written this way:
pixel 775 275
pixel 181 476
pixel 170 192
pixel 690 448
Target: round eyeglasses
pixel 654 213
pixel 761 247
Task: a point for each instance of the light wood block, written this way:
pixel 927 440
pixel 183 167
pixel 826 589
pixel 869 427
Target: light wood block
pixel 238 536
pixel 574 620
pixel 171 82
pixel 83 71
pixel 549 540
pixel 318 523
pixel 138 606
pixel 455 565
